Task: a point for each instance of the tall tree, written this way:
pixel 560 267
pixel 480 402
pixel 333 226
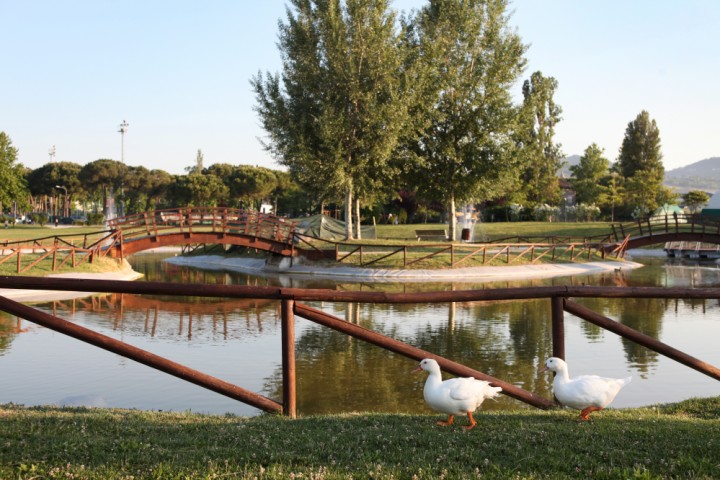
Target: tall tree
pixel 542 157
pixel 590 174
pixel 640 162
pixel 13 188
pixel 640 149
pixel 335 117
pixel 464 150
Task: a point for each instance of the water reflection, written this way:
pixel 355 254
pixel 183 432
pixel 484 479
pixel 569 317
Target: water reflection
pixel 239 341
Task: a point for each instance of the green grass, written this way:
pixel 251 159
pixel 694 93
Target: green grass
pixel 675 441
pixel 495 230
pixel 30 232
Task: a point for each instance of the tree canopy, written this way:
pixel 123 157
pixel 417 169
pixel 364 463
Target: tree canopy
pixel 335 117
pixel 590 174
pixel 473 58
pixel 13 188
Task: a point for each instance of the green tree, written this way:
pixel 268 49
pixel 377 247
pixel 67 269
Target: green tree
pixel 589 175
pixel 46 180
pixel 464 151
pixel 640 162
pixel 696 199
pixel 335 117
pixel 542 158
pixel 13 188
pixel 612 194
pixel 640 149
pixel 203 190
pixel 103 179
pixel 159 183
pixel 253 184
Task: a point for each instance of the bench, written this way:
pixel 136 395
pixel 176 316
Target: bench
pixel 431 235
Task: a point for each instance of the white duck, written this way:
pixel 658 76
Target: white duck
pixel 456 396
pixel 587 393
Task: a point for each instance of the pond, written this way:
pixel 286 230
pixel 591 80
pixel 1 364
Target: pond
pixel 239 341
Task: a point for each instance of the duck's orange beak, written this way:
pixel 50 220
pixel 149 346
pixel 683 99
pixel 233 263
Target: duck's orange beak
pixel 543 370
pixel 416 369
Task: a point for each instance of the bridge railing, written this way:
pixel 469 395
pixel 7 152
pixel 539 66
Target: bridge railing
pixel 660 224
pixel 204 219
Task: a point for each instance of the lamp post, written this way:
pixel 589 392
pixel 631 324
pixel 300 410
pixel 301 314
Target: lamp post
pixel 123 129
pixel 66 200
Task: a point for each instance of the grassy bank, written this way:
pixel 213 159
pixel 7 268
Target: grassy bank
pixel 674 441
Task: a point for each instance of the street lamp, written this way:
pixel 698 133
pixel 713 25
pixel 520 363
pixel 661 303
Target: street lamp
pixel 66 200
pixel 123 129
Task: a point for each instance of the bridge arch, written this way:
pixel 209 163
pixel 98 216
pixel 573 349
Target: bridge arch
pixel 202 225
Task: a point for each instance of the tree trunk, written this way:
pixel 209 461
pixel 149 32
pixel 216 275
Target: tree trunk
pixel 453 218
pixel 348 214
pixel 357 219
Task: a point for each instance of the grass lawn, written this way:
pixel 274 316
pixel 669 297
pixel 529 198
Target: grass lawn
pixel 490 231
pixel 673 441
pixel 18 232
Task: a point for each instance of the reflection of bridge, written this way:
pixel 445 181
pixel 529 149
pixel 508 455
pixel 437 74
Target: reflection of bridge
pixel 202 225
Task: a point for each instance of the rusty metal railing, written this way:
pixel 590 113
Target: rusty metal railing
pixel 559 302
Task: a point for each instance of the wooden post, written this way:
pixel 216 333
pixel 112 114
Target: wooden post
pixel 288 358
pixel 558 327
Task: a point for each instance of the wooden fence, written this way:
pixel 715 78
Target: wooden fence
pixel 559 301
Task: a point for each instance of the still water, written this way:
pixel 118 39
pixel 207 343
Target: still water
pixel 239 341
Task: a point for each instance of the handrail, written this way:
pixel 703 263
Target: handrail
pixel 289 297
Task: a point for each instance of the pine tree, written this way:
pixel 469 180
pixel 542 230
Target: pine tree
pixel 640 163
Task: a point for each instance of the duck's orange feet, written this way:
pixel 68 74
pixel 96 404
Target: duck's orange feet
pixel 449 422
pixel 472 422
pixel 584 415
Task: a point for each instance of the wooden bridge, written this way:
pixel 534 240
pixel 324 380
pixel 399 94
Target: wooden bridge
pixel 192 227
pixel 666 228
pixel 199 226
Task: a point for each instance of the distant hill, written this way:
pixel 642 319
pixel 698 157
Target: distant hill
pixel 569 162
pixel 702 175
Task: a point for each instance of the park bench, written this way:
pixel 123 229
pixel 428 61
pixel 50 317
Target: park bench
pixel 431 234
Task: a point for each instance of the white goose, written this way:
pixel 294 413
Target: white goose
pixel 587 393
pixel 456 396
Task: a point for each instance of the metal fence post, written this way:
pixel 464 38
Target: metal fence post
pixel 288 357
pixel 558 326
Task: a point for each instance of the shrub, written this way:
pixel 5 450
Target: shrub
pixel 95 218
pixel 40 218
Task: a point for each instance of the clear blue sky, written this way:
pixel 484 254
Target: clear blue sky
pixel 178 72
